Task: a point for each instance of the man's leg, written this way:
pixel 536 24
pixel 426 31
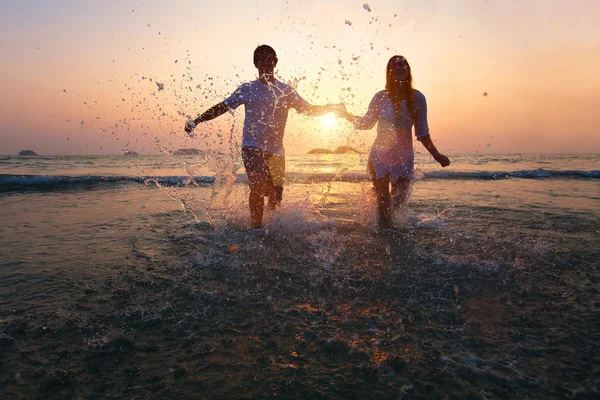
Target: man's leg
pixel 275 197
pixel 277 171
pixel 256 200
pixel 259 181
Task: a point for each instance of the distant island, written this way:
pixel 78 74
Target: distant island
pixel 339 150
pixel 27 153
pixel 186 152
pixel 130 153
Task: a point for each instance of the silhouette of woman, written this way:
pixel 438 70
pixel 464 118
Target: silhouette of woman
pixel 391 160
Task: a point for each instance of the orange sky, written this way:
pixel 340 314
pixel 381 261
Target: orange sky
pixel 537 60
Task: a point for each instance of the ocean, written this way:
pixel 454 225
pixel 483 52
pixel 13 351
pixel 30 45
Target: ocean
pixel 138 277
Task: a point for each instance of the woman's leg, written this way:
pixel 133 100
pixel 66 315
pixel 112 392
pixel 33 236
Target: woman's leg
pixel 401 192
pixel 384 200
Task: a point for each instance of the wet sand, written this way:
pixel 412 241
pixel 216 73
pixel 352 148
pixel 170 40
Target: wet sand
pixel 494 305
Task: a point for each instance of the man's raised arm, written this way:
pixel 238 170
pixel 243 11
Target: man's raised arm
pixel 209 114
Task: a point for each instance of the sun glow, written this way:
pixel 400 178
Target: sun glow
pixel 329 121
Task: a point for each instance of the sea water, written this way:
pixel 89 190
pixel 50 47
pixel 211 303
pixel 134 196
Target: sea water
pixel 62 212
pixel 491 273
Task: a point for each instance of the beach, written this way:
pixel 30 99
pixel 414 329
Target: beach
pixel 138 277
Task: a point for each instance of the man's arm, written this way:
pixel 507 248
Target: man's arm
pixel 212 113
pixel 439 157
pixel 315 111
pixel 304 107
pixel 209 114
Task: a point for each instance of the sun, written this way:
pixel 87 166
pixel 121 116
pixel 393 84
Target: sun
pixel 328 121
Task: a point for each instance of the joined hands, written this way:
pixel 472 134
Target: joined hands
pixel 340 111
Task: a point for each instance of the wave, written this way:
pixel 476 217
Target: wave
pixel 51 181
pixel 523 174
pixel 62 181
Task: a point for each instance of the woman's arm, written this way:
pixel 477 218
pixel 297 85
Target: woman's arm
pixel 422 130
pixel 369 120
pixel 439 157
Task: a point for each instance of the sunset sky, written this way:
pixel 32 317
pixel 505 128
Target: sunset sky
pixel 85 77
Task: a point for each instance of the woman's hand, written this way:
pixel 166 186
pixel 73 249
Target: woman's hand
pixel 442 159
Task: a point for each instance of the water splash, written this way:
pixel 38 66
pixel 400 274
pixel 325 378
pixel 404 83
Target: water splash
pixel 297 218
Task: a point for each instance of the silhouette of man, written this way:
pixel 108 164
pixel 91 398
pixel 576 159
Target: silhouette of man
pixel 267 102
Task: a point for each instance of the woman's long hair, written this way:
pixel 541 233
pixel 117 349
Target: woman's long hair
pixel 398 92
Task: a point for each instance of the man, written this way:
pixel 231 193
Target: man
pixel 267 102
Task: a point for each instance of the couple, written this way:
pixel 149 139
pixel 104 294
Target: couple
pixel 267 102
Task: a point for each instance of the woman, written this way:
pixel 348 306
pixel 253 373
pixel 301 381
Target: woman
pixel 391 160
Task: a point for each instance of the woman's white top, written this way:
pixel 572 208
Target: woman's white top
pixel 392 152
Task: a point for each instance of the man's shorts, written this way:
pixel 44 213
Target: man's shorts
pixel 262 166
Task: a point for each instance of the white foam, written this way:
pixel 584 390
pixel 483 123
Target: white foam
pixel 297 218
pixel 423 220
